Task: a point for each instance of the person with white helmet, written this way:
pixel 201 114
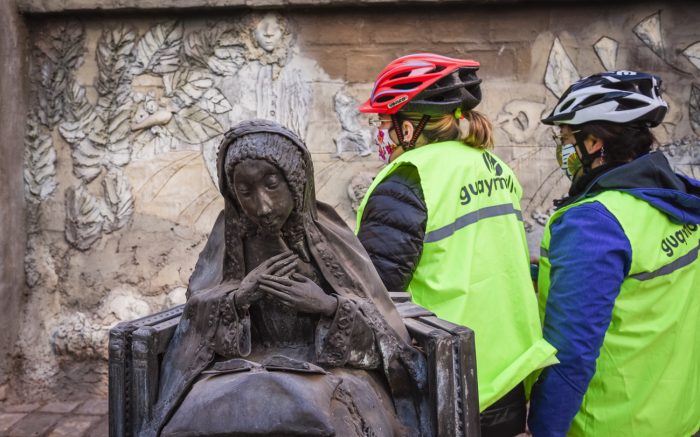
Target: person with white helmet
pixel 442 221
pixel 619 278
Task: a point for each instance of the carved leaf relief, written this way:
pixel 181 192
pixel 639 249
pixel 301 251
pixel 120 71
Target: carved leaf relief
pixel 110 124
pixel 152 142
pixel 186 86
pixel 78 115
pixel 561 71
pixel 649 31
pixel 606 49
pixel 194 125
pixel 64 44
pixel 158 51
pixel 83 218
pixel 119 124
pixel 692 52
pixel 39 162
pixel 87 160
pixel 59 53
pixel 217 48
pixel 119 153
pixel 694 109
pixel 215 102
pixel 119 200
pixel 113 61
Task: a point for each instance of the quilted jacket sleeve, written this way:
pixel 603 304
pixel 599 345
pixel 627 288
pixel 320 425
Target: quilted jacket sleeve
pixel 393 226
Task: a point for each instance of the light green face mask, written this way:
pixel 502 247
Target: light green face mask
pixel 568 160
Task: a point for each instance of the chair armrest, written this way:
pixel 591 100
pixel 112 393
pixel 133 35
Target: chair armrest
pixel 135 351
pixel 451 357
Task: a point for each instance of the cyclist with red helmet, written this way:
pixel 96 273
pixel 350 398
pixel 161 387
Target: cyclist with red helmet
pixel 442 221
pixel 619 279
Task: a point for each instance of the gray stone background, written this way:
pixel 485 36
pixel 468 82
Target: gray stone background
pixel 106 177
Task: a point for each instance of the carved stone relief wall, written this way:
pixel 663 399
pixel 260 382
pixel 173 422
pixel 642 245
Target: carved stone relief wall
pixel 127 113
pixel 120 151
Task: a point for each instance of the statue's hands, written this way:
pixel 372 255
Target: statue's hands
pixel 279 265
pixel 301 293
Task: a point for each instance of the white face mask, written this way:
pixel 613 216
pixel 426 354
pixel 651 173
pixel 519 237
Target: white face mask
pixel 385 145
pixel 568 159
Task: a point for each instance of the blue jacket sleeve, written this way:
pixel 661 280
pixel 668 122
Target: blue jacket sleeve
pixel 590 257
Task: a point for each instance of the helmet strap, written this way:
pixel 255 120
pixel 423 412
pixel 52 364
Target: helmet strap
pixel 586 158
pixel 397 128
pixel 411 144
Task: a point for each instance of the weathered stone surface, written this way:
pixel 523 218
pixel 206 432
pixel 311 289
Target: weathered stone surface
pixel 9 419
pixel 12 121
pixel 93 407
pixel 351 28
pixel 100 429
pixel 73 426
pixel 59 407
pixel 35 424
pixel 44 6
pixel 22 408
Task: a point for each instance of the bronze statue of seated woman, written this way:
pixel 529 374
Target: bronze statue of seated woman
pixel 287 329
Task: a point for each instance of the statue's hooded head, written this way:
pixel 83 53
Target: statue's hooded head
pixel 262 140
pixel 312 229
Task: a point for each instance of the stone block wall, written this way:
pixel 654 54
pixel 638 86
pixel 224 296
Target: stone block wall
pixel 126 111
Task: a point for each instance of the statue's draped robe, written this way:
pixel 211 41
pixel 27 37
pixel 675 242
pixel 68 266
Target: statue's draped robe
pixel 364 343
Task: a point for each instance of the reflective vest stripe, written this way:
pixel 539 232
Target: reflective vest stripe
pixel 471 218
pixel 544 253
pixel 671 267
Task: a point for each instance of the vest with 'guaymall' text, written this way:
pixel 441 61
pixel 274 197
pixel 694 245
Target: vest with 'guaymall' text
pixel 474 266
pixel 647 379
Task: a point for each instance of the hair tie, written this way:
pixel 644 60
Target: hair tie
pixel 458 114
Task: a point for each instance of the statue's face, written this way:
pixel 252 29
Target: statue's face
pixel 263 194
pixel 268 33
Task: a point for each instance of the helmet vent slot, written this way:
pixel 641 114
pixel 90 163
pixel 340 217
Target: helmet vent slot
pixel 630 104
pixel 407 86
pixel 590 100
pixel 566 105
pixel 400 75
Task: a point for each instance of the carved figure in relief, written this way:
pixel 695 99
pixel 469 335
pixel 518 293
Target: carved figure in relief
pixel 287 327
pixel 268 32
pixel 272 84
pixel 353 137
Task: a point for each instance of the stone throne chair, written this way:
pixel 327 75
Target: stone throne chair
pixel 136 349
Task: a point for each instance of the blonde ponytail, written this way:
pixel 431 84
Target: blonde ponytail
pixel 478 128
pixel 480 133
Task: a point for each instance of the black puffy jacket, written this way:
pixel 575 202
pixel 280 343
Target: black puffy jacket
pixel 393 227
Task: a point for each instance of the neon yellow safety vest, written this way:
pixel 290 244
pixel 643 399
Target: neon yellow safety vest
pixel 474 267
pixel 647 380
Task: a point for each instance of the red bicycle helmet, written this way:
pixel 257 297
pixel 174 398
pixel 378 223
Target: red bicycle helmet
pixel 426 83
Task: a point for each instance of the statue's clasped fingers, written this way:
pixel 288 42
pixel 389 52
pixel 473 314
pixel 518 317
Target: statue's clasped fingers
pixel 289 268
pixel 282 265
pixel 277 282
pixel 283 296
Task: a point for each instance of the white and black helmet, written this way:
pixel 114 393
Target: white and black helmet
pixel 616 97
